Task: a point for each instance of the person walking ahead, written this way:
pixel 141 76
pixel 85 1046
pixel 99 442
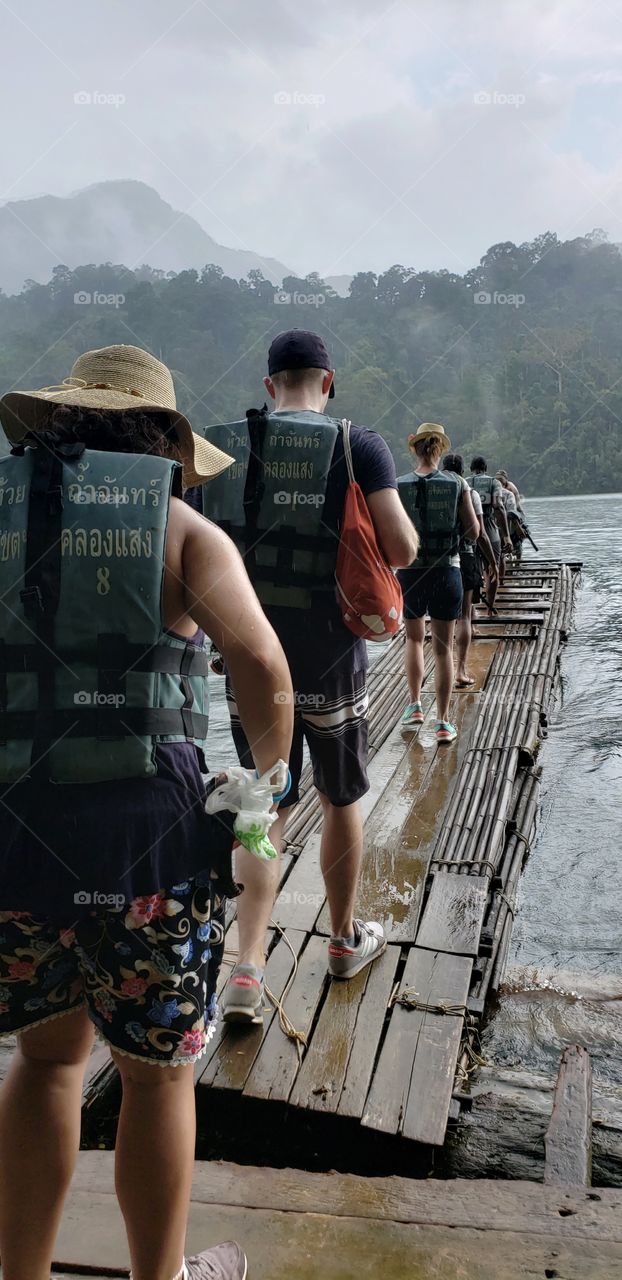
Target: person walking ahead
pixel 495 520
pixel 282 502
pixel 110 917
pixel 439 504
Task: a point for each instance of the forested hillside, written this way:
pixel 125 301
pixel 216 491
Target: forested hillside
pixel 520 358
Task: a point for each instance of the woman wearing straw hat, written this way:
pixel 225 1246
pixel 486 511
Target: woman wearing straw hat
pixel 440 507
pixel 109 584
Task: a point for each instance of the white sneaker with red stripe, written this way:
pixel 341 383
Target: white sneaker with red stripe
pixel 244 995
pixel 346 959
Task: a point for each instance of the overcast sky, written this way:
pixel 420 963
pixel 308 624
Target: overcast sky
pixel 337 136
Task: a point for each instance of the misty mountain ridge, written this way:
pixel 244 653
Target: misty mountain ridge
pixel 122 221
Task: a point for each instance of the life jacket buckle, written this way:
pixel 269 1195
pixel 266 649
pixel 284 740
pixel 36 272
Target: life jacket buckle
pixel 32 600
pixel 55 500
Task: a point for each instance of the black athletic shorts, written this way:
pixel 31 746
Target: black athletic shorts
pixel 470 570
pixel 435 590
pixel 331 716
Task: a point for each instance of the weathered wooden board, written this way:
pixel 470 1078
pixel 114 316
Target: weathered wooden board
pixel 568 1142
pixel 409 1089
pixel 276 1065
pixel 453 915
pixel 339 1061
pixel 302 895
pixel 400 834
pixel 502 619
pixel 302 1246
pixel 485 1205
pixel 234 1049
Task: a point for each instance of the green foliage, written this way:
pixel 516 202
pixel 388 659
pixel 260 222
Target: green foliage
pixel 519 358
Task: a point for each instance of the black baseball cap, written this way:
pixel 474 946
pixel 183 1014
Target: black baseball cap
pixel 299 349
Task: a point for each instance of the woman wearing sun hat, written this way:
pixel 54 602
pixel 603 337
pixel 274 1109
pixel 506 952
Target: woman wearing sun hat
pixel 440 508
pixel 109 584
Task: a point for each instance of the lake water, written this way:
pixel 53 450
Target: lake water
pixel 567 939
pixel 568 931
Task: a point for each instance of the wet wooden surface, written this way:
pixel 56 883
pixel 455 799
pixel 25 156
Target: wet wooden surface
pixel 568 1142
pixel 429 805
pixel 303 1225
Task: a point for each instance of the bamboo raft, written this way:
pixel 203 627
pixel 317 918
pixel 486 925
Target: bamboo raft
pixel 447 832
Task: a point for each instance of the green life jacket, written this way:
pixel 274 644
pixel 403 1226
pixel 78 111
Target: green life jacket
pixel 90 681
pixel 485 486
pixel 271 502
pixel 432 503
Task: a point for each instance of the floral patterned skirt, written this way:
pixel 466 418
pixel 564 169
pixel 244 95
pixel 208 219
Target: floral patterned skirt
pixel 145 971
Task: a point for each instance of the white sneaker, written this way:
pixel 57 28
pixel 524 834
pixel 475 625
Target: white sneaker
pixel 345 960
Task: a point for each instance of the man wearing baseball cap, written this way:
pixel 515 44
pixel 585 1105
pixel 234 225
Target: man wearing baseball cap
pixel 282 504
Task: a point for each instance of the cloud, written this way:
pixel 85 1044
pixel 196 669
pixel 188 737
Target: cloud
pixel 377 149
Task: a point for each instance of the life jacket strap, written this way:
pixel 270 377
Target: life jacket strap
pixel 20 659
pixel 41 592
pixel 108 722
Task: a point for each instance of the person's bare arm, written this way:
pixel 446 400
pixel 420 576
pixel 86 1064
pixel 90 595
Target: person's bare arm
pixel 395 532
pixel 221 600
pixel 485 546
pixel 501 518
pixel 467 516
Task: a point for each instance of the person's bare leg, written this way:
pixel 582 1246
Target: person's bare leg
pixel 491 593
pixel 415 634
pixel 254 905
pixel 463 637
pixel 154 1161
pixel 40 1108
pixel 442 648
pixel 341 854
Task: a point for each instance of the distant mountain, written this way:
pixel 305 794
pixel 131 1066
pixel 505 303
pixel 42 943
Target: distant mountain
pixel 120 222
pixel 341 284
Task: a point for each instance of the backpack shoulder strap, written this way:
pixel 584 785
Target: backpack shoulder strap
pixel 347 447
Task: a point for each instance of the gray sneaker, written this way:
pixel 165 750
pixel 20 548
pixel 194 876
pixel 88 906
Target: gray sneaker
pixel 225 1262
pixel 244 995
pixel 346 960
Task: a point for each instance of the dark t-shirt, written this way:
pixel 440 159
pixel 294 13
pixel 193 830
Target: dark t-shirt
pixel 321 642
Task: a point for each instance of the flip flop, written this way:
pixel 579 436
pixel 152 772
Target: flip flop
pixel 464 684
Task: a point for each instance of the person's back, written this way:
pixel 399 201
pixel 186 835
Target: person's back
pixel 112 869
pixel 283 505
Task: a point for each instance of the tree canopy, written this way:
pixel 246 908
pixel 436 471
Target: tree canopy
pixel 519 358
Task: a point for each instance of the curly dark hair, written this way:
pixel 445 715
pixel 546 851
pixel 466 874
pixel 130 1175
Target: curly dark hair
pixel 454 462
pixel 112 431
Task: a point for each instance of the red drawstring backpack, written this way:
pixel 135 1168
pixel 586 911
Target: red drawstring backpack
pixel 369 594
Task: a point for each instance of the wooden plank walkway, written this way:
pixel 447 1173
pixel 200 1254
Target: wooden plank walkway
pixel 298 1226
pixel 446 832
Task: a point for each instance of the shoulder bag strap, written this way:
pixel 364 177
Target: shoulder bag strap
pixel 347 448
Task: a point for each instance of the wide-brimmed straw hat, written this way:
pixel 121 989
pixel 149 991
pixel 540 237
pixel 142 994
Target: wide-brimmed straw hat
pixel 430 429
pixel 119 378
